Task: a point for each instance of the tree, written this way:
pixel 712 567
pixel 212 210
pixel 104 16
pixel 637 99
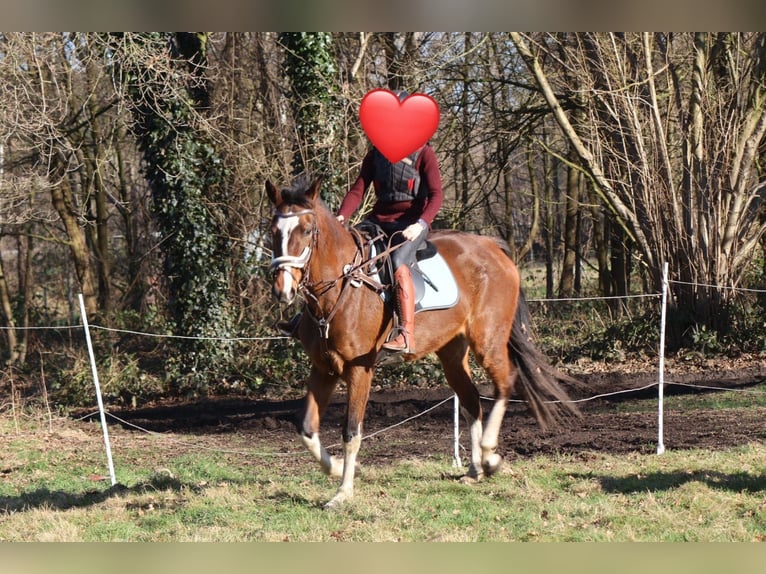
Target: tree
pixel 671 138
pixel 165 79
pixel 310 67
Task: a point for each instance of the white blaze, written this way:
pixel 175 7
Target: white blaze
pixel 286 225
pixel 287 283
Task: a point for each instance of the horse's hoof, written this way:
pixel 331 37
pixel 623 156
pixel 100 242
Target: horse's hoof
pixel 337 501
pixel 491 464
pixel 473 475
pixel 469 479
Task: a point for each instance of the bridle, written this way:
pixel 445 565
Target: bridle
pixel 352 273
pixel 288 262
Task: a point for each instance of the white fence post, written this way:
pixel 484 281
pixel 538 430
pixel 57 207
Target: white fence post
pixel 456 419
pixel 98 390
pixel 661 375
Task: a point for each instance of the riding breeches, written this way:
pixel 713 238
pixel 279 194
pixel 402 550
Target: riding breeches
pixel 404 255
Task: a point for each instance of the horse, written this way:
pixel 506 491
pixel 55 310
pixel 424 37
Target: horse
pixel 345 322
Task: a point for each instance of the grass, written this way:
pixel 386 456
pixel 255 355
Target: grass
pixel 52 489
pixel 752 396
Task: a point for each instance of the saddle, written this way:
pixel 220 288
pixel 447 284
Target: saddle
pixel 434 283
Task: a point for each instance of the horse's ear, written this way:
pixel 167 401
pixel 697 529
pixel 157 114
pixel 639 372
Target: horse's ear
pixel 313 191
pixel 274 194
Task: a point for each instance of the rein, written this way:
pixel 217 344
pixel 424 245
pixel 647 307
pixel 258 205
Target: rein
pixel 351 272
pixel 354 271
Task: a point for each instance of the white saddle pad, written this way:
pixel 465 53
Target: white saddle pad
pixel 443 293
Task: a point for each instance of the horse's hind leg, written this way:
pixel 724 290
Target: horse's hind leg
pixel 454 360
pixel 490 460
pixel 320 389
pixel 496 361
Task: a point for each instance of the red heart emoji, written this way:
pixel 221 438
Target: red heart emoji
pixel 398 128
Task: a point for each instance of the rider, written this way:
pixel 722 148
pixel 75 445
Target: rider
pixel 404 217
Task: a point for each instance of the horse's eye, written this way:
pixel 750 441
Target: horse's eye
pixel 307 231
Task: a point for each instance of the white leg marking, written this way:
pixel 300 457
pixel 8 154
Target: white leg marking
pixel 490 459
pixel 330 465
pixel 346 490
pixel 475 429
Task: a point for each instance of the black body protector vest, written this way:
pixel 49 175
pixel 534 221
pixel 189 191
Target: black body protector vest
pixel 398 181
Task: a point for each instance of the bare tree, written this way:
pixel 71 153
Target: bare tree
pixel 673 127
pixel 55 115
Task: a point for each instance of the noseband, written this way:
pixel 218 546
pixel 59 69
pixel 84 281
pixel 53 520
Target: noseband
pixel 286 262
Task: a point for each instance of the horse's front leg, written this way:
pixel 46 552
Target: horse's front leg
pixel 358 380
pixel 320 389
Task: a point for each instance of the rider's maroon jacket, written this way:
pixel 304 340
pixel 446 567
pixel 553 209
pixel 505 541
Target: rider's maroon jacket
pixel 424 208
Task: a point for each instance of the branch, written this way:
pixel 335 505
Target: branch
pixel 602 185
pixel 364 40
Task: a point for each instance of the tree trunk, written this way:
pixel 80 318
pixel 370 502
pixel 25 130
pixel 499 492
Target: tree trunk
pixel 104 267
pixel 63 203
pixel 601 233
pixel 571 239
pixel 465 141
pixel 534 188
pixel 135 292
pixel 551 186
pixel 26 289
pixel 7 312
pixel 619 262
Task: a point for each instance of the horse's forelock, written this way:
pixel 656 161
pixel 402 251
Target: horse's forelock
pixel 296 192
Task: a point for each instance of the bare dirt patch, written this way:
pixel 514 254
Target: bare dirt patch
pixel 607 425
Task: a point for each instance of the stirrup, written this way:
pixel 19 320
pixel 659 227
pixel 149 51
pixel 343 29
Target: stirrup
pixel 406 349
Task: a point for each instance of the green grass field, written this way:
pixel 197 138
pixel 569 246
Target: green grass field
pixel 53 488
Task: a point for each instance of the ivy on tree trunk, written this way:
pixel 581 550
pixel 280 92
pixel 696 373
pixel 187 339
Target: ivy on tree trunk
pixel 310 67
pixel 188 183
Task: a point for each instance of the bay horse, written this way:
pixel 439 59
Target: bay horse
pixel 343 328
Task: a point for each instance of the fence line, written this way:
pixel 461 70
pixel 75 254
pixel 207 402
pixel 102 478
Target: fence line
pixel 660 384
pixel 187 337
pixel 638 389
pixel 281 337
pixel 594 298
pixel 43 328
pixel 197 446
pixel 264 455
pixel 585 400
pixel 712 388
pixel 141 333
pixel 727 287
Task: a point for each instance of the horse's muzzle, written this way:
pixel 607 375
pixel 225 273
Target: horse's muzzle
pixel 285 287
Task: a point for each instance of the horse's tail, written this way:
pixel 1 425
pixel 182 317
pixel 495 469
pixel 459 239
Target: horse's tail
pixel 540 382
